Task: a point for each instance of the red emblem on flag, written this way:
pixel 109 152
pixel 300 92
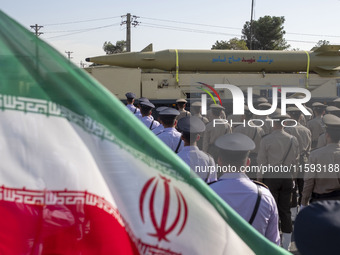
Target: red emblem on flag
pixel 162 228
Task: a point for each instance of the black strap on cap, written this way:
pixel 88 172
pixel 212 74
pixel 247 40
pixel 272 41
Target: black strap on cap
pixel 257 205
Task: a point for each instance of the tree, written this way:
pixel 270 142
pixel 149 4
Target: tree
pixel 267 34
pixel 232 44
pixel 109 48
pixel 321 43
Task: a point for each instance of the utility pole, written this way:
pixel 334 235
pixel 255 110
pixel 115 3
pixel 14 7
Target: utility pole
pixel 36 29
pixel 82 64
pixel 68 54
pixel 130 20
pixel 251 25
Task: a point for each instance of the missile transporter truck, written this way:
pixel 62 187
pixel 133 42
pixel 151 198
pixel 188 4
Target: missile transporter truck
pixel 165 76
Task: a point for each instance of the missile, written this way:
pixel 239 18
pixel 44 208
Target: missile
pixel 324 60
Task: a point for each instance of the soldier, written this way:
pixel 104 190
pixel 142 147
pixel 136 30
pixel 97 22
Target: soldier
pixel 258 101
pixel 195 108
pixel 265 119
pixel 210 116
pixel 181 103
pixel 253 132
pixel 147 119
pixel 235 119
pixel 140 100
pixel 276 150
pixel 170 136
pixel 304 118
pixel 315 125
pixel 304 137
pixel 200 162
pixel 130 99
pixel 251 200
pixel 196 111
pixel 261 100
pixel 336 102
pixel 322 138
pixel 214 129
pixel 160 128
pixel 323 183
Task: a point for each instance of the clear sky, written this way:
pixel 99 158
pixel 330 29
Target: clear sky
pixel 82 27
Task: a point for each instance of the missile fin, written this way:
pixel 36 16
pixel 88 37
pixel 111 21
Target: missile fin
pixel 329 68
pixel 327 50
pixel 326 71
pixel 147 48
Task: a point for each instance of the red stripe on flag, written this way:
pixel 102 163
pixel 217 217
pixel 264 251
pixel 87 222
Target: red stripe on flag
pixel 30 225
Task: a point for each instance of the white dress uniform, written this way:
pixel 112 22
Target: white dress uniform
pixel 238 191
pixel 172 138
pixel 144 101
pixel 130 96
pixel 139 115
pixel 251 201
pixel 200 162
pixel 158 129
pixel 133 109
pixel 149 122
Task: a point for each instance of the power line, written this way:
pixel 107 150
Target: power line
pixel 205 31
pixel 82 31
pixel 336 36
pixel 81 21
pixel 189 23
pixel 134 22
pixel 185 29
pixel 79 30
pixel 225 27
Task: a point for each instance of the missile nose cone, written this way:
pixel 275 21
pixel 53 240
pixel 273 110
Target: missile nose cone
pixel 87 59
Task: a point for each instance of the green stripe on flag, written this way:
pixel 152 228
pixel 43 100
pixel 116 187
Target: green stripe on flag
pixel 30 68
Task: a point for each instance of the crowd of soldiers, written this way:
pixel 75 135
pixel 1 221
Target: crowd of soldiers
pixel 307 151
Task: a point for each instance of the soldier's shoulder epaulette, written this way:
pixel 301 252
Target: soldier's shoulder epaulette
pixel 260 184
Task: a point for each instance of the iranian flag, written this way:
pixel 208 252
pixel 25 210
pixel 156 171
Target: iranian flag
pixel 81 175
